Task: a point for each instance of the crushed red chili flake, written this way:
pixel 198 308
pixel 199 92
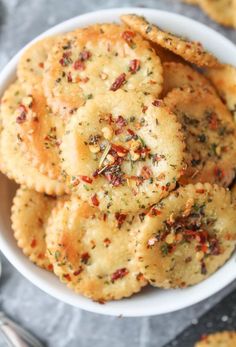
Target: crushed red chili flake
pixel 200 191
pixel 120 80
pixel 50 267
pixel 22 116
pixel 78 272
pixel 121 122
pixel 130 132
pixel 154 212
pixel 66 60
pixel 41 65
pixel 85 257
pixel 67 277
pixel 79 65
pixel 85 55
pixel 140 277
pixel 33 243
pixel 120 217
pixel 119 149
pixel 157 103
pixel 134 65
pixel 118 274
pixel 95 200
pixel 144 108
pixel 104 217
pixel 69 77
pixel 107 242
pixel 213 122
pixel 128 36
pixel 86 179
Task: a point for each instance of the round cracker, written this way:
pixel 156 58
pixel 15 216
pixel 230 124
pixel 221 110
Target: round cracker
pixel 220 339
pixel 96 60
pixel 117 154
pixel 224 80
pixel 191 51
pixel 187 236
pixel 31 64
pixel 18 167
pixel 177 75
pixel 93 252
pixel 40 132
pixel 10 101
pixel 221 11
pixel 210 135
pixel 30 213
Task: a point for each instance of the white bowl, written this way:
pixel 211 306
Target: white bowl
pixel 150 301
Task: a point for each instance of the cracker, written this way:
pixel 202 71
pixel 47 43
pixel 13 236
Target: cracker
pixel 222 11
pixel 210 135
pixel 18 167
pixel 117 154
pixel 30 213
pixel 31 64
pixel 10 101
pixel 177 75
pixel 93 253
pixel 187 236
pixel 220 339
pixel 224 80
pixel 40 131
pixel 96 60
pixel 191 51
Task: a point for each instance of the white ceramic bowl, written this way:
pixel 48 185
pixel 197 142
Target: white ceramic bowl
pixel 150 301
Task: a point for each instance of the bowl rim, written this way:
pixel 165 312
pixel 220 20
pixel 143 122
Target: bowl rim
pixel 27 269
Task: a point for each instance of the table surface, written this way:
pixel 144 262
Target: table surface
pixel 55 323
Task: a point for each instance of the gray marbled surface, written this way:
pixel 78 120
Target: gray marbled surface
pixel 55 323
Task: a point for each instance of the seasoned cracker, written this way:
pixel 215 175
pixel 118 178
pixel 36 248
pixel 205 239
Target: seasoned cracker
pixel 19 168
pixel 10 101
pixel 224 80
pixel 177 75
pixel 187 236
pixel 99 59
pixel 93 253
pixel 222 11
pixel 189 50
pixel 30 213
pixel 31 65
pixel 220 339
pixel 117 152
pixel 40 132
pixel 210 135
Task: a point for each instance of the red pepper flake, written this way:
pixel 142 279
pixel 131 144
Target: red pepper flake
pixel 154 212
pixel 41 256
pixel 118 274
pixel 104 217
pixel 67 277
pixel 157 103
pixel 85 257
pixel 69 77
pixel 95 200
pixel 200 191
pixel 66 60
pixel 118 82
pixel 140 277
pixel 119 149
pixel 22 116
pixel 79 65
pixel 146 172
pixel 120 217
pixel 86 179
pixel 144 108
pixel 41 65
pixel 213 122
pixel 85 55
pixel 121 122
pixel 78 272
pixel 128 36
pixel 107 242
pixel 134 65
pixel 131 132
pixel 33 243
